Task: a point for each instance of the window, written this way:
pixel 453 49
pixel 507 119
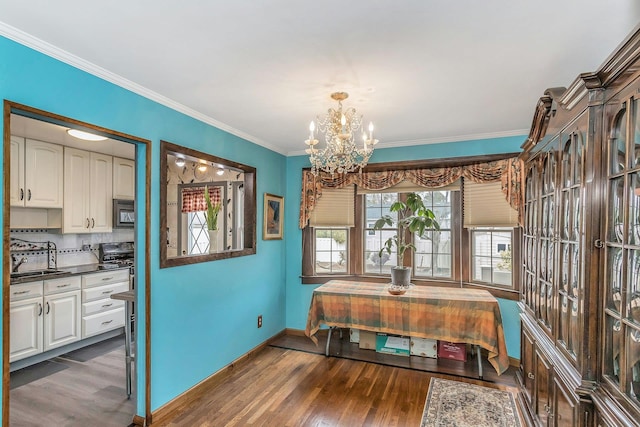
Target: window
pixel 197 237
pixel 331 250
pixel 377 205
pixel 461 254
pixel 432 257
pixel 491 256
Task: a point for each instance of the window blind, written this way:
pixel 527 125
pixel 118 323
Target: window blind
pixel 336 208
pixel 485 205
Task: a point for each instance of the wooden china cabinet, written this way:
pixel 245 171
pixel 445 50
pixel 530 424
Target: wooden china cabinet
pixel 580 299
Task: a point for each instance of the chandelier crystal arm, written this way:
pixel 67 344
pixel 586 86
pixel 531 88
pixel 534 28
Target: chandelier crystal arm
pixel 339 127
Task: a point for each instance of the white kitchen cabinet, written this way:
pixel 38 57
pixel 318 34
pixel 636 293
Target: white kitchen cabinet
pixel 61 311
pixel 36 174
pixel 100 313
pixel 26 318
pixel 124 174
pixel 88 195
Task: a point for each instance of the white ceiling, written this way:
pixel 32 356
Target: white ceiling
pixel 422 70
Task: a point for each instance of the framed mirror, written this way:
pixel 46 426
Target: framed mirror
pixel 207 207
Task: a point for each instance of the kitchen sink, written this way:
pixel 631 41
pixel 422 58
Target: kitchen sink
pixel 37 273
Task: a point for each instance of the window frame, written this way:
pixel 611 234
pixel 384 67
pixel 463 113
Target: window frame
pixel 460 240
pixel 491 257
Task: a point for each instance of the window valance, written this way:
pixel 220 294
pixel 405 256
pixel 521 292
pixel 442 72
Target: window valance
pixel 508 171
pixel 193 198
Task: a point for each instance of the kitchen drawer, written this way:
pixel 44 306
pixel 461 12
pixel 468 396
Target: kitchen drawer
pixel 102 322
pixel 105 277
pixel 25 290
pixel 63 284
pixel 100 292
pixel 93 307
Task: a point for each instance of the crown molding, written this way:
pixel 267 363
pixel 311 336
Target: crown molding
pixel 55 52
pixel 440 140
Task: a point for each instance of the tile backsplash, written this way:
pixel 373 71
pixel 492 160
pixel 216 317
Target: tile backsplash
pixel 69 246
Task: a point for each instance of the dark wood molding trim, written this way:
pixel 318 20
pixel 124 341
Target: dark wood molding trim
pixel 6 268
pixel 14 107
pixel 169 410
pixel 436 163
pixel 138 421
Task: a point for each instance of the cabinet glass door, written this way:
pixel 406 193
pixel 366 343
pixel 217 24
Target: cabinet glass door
pixel 621 355
pixel 569 289
pixel 548 237
pixel 530 240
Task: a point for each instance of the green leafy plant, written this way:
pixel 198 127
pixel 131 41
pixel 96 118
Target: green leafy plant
pixel 414 216
pixel 505 263
pixel 212 210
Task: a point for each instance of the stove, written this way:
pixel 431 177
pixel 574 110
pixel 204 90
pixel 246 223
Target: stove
pixel 116 255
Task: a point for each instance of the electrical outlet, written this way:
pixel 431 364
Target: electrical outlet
pixel 260 321
pixel 86 247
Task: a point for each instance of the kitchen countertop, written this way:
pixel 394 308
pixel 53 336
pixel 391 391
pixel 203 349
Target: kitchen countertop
pixel 72 270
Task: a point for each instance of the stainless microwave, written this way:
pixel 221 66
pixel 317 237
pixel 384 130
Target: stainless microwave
pixel 124 214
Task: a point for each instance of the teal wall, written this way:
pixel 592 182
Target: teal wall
pixel 203 315
pixel 299 295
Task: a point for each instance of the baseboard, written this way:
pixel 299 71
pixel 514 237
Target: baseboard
pixel 138 421
pixel 294 332
pixel 169 410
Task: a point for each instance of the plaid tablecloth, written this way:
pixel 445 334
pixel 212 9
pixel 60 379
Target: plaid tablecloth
pixel 449 314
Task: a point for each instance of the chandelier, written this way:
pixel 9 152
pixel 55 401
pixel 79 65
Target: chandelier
pixel 342 153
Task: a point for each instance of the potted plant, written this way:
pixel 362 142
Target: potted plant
pixel 212 220
pixel 414 217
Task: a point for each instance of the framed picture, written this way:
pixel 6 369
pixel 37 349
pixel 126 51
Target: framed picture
pixel 273 217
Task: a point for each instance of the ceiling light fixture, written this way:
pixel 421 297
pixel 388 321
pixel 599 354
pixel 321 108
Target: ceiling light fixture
pixel 180 162
pixel 80 134
pixel 220 170
pixel 202 167
pixel 342 154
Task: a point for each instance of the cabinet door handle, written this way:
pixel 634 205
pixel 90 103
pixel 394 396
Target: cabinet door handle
pixel 64 286
pixel 107 278
pixel 29 194
pixel 530 375
pixel 107 322
pixel 93 223
pixel 21 292
pixel 107 305
pixel 48 308
pixel 88 223
pixel 40 313
pixel 107 292
pixel 22 194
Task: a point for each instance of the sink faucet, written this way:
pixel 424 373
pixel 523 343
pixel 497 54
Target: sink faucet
pixel 16 263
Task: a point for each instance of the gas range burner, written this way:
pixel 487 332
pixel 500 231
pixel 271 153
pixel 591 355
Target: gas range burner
pixel 115 255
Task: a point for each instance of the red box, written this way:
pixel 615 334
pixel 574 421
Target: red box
pixel 452 350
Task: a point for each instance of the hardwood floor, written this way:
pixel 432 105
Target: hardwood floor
pixel 75 393
pixel 286 387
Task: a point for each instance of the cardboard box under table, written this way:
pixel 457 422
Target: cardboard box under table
pixel 367 340
pixel 452 350
pixel 424 347
pixel 392 344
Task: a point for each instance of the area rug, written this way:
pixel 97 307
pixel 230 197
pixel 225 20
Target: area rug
pixel 458 404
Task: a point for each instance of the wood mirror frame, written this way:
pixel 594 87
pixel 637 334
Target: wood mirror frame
pixel 248 239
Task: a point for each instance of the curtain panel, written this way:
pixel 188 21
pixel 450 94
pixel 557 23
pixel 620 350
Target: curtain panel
pixel 508 171
pixel 193 198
